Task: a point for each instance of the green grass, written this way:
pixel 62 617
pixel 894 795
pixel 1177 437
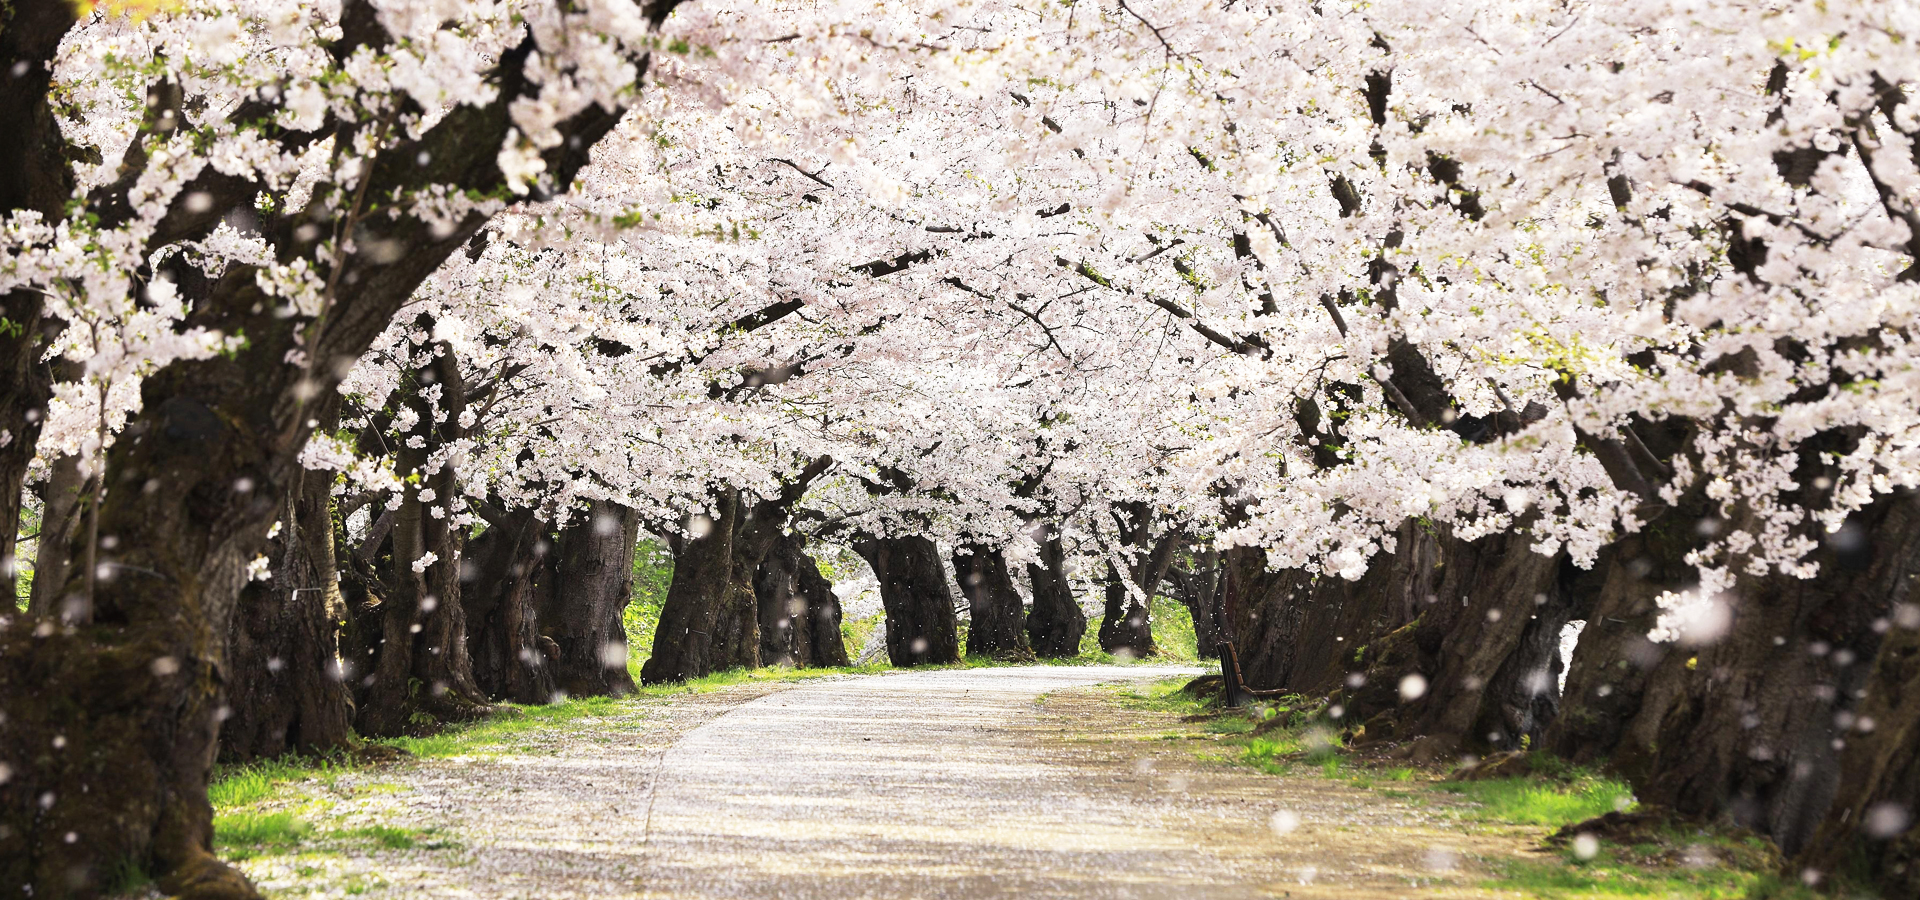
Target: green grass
pixel 1629 874
pixel 240 785
pixel 244 835
pixel 1525 801
pixel 1172 635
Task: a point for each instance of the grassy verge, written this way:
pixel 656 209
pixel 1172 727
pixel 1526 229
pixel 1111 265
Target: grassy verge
pixel 1652 859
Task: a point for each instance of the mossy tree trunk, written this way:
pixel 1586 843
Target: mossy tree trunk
pixel 994 630
pixel 922 628
pixel 1056 622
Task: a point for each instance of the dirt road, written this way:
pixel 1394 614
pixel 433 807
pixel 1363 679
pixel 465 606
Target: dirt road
pixel 986 783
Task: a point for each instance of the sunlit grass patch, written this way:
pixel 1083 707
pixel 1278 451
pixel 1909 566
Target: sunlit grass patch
pixel 248 783
pixel 1617 873
pixel 1526 801
pixel 244 835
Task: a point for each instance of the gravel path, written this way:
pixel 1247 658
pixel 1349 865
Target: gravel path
pixel 1006 782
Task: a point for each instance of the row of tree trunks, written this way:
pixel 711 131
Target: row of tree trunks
pixel 799 613
pixel 922 627
pixel 1761 716
pixel 994 604
pixel 285 693
pixel 1448 644
pixel 1056 623
pixel 123 705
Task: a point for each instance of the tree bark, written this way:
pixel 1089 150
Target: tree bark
pixel 511 562
pixel 922 628
pixel 1869 830
pixel 1749 724
pixel 994 603
pixel 738 638
pixel 285 693
pixel 25 387
pixel 191 488
pixel 799 613
pixel 702 571
pixel 421 674
pixel 1444 643
pixel 1199 589
pixel 593 588
pixel 60 497
pixel 1056 623
pixel 1127 627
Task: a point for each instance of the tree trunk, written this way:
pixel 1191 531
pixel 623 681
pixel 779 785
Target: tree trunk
pixel 922 628
pixel 594 585
pixel 510 562
pixel 60 508
pixel 25 386
pixel 1869 830
pixel 1056 623
pixel 1200 593
pixel 1446 643
pixel 702 572
pixel 1749 721
pixel 736 631
pixel 799 613
pixel 421 673
pixel 285 693
pixel 995 604
pixel 133 687
pixel 1127 626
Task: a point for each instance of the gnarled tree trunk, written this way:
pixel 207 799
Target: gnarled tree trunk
pixel 922 628
pixel 285 693
pixel 995 604
pixel 799 613
pixel 421 674
pixel 510 562
pixel 594 583
pixel 702 571
pixel 1749 719
pixel 1127 626
pixel 1056 622
pixel 1199 589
